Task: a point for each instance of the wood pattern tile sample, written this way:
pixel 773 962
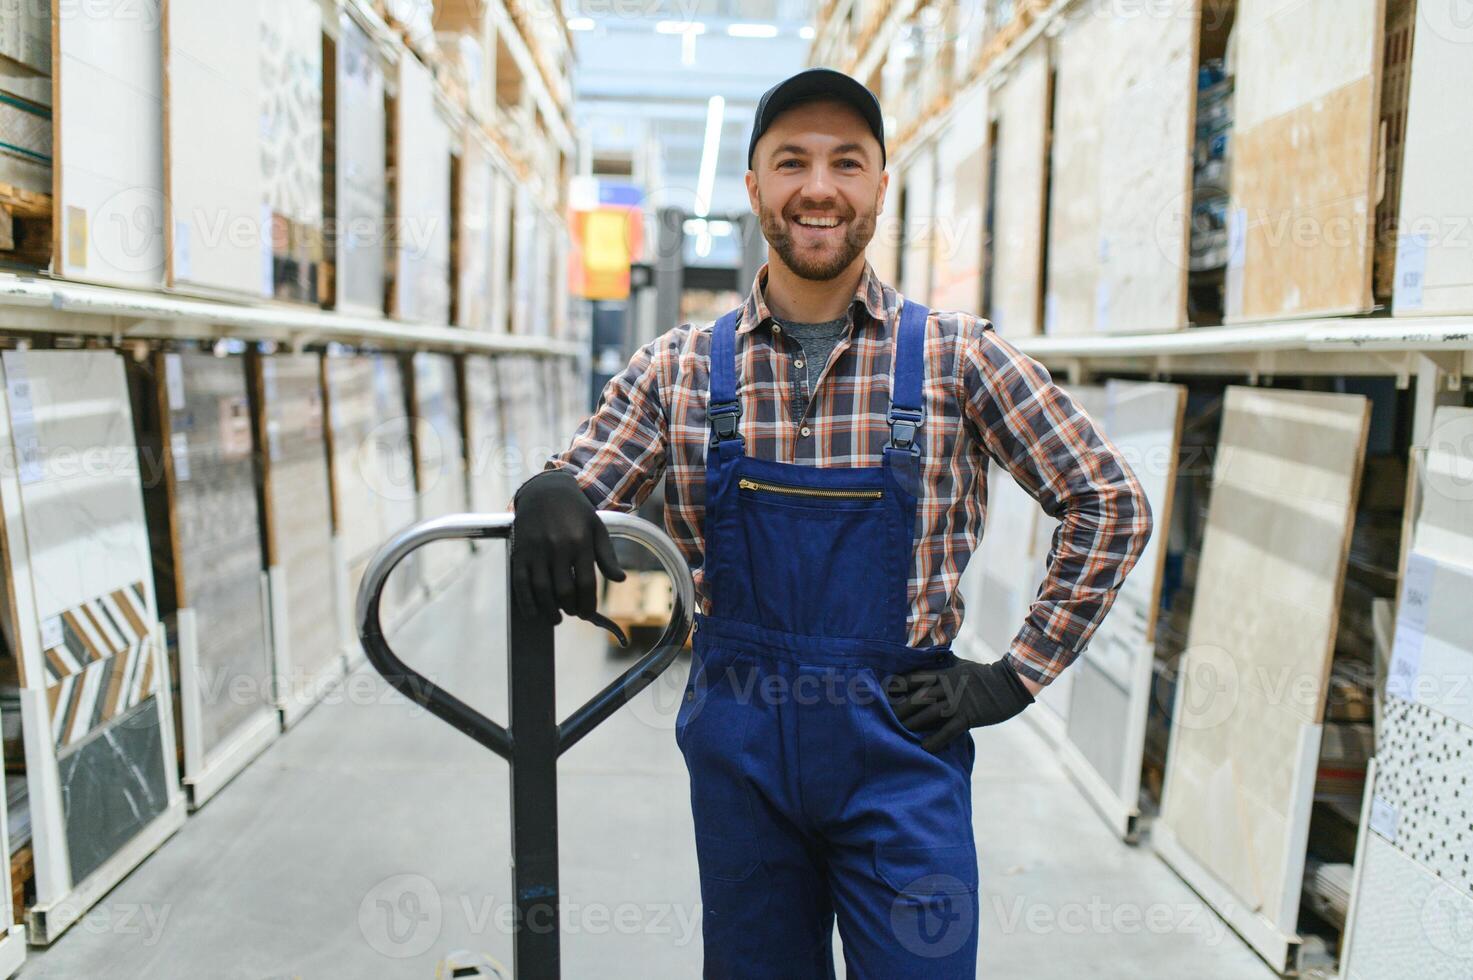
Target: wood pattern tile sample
pixel 1253 686
pixel 1304 157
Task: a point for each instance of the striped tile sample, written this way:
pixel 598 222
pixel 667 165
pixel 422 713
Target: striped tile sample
pixel 87 542
pixel 100 661
pixel 298 501
pixel 217 522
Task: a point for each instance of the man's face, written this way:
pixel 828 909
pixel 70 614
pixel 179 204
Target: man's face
pixel 817 187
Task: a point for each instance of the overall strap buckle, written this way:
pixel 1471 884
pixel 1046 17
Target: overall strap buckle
pixel 723 417
pixel 904 424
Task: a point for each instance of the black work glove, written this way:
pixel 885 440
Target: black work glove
pixel 943 703
pixel 556 538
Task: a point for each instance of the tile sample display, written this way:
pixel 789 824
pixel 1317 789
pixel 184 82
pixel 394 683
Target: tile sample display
pixel 1122 179
pixel 82 617
pixel 213 125
pixel 1251 690
pixel 1434 269
pixel 299 520
pixel 216 530
pixel 1444 528
pixel 108 115
pixel 112 787
pixel 475 283
pixel 1010 572
pixel 1424 779
pixel 1074 215
pixel 1145 186
pixel 1020 157
pixel 373 469
pixel 1112 677
pixel 1304 155
pixel 441 462
pixel 290 146
pixel 1407 922
pixel 100 662
pixel 919 231
pixel 1432 653
pixel 362 188
pixel 961 196
pixel 517 388
pixel 491 484
pixel 422 273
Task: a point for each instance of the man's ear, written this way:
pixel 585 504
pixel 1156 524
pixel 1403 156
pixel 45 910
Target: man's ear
pixel 884 186
pixel 751 179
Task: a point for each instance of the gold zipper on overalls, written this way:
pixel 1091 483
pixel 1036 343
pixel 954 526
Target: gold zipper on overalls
pixel 792 491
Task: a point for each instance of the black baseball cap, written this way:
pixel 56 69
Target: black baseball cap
pixel 817 83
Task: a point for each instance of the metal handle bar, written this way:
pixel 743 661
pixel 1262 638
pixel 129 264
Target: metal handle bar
pixel 462 716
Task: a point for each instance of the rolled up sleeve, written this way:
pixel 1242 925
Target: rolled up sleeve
pixel 1054 450
pixel 619 452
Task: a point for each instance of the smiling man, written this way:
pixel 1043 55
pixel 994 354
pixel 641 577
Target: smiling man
pixel 825 446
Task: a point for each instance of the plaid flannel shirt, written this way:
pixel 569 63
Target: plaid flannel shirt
pixel 983 399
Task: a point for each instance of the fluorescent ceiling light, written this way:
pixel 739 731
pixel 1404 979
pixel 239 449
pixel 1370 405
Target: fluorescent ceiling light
pixel 751 30
pixel 706 182
pixel 806 32
pixel 680 27
pixel 580 23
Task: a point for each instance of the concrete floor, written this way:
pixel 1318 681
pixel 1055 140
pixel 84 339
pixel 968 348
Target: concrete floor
pixel 372 842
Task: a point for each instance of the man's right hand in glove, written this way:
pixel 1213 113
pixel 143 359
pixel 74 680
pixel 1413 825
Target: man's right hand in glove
pixel 556 540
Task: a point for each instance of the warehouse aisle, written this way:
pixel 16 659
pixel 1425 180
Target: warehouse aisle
pixel 372 841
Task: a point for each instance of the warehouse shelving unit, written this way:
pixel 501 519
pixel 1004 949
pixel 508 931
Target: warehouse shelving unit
pixel 1390 309
pixel 287 131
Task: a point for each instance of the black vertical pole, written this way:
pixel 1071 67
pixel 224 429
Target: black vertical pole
pixel 534 733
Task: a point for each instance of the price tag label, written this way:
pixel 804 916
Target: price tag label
pixel 1411 626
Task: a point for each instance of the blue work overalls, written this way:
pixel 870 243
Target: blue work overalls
pixel 809 796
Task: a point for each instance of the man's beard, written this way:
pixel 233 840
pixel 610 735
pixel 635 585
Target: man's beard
pixel 816 267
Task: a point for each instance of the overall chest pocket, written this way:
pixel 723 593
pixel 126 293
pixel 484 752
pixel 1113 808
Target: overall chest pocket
pixel 822 560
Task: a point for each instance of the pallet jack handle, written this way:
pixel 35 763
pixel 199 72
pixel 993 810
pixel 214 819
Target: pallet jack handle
pixel 533 739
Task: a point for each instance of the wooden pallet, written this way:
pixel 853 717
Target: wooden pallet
pixel 25 226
